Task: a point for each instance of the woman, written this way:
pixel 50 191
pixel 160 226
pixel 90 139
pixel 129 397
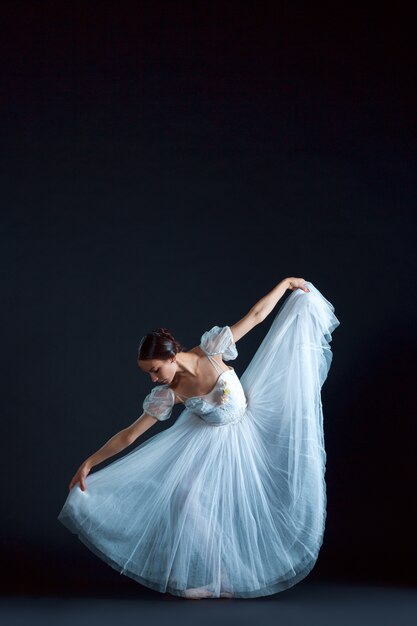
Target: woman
pixel 230 501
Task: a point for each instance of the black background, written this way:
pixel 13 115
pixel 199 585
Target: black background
pixel 166 164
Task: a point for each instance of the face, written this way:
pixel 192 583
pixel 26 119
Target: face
pixel 160 371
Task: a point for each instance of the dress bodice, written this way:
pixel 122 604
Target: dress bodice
pixel 224 404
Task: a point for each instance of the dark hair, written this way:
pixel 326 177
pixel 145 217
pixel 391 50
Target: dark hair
pixel 158 344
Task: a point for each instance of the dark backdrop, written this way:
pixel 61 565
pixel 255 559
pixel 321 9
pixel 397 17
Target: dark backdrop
pixel 167 163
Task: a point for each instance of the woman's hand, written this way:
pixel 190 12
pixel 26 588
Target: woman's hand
pixel 80 476
pixel 297 283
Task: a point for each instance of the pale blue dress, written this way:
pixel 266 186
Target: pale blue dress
pixel 231 498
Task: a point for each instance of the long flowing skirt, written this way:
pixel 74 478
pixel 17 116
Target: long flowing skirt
pixel 237 510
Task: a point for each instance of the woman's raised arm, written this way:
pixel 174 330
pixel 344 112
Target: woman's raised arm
pixel 264 306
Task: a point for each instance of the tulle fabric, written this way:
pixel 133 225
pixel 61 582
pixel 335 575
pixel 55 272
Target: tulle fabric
pixel 235 510
pixel 219 340
pixel 159 403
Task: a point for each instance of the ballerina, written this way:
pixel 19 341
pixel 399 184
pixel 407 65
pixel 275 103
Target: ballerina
pixel 230 501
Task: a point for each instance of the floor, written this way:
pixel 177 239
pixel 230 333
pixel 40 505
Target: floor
pixel 324 604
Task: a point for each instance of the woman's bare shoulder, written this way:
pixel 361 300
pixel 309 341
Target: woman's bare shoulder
pixel 196 350
pixel 200 353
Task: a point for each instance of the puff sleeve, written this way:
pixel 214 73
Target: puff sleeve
pixel 219 340
pixel 159 402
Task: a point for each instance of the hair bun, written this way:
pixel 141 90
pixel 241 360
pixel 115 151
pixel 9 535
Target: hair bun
pixel 159 344
pixel 164 332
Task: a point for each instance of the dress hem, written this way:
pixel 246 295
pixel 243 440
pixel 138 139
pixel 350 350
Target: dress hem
pixel 271 588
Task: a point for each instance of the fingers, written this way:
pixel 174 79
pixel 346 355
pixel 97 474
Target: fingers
pixel 75 480
pixel 303 286
pixel 299 283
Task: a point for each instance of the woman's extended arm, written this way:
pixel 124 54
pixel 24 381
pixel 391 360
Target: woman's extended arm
pixel 264 306
pixel 116 444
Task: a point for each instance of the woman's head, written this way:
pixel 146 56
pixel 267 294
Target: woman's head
pixel 157 355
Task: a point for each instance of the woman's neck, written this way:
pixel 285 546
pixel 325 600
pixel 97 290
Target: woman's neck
pixel 187 366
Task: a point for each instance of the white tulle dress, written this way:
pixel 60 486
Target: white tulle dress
pixel 231 499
